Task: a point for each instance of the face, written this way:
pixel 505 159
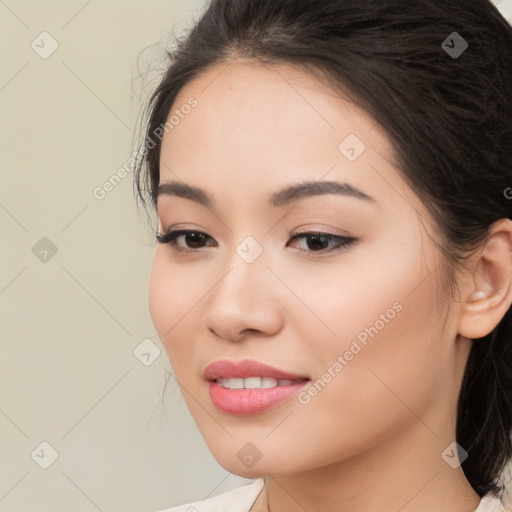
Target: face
pixel 354 306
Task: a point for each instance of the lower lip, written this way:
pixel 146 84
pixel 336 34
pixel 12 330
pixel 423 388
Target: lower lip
pixel 244 402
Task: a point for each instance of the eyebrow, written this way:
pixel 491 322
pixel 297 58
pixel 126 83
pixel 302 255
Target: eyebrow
pixel 280 198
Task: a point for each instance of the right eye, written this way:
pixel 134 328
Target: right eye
pixel 192 237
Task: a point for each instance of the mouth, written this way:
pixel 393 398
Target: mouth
pixel 248 387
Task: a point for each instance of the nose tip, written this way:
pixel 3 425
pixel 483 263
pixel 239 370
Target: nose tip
pixel 244 303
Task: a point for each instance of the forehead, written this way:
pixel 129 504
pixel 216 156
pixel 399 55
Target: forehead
pixel 245 97
pixel 257 126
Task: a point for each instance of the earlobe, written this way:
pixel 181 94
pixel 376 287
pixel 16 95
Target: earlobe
pixel 489 291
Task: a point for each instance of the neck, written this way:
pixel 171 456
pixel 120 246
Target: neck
pixel 391 476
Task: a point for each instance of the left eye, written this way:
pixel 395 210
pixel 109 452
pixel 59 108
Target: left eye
pixel 317 240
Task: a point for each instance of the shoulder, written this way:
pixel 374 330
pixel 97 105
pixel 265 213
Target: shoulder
pixel 491 503
pixel 239 499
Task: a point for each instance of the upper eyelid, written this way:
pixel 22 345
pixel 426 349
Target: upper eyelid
pixel 304 232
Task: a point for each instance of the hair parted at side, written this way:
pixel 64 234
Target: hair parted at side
pixel 449 120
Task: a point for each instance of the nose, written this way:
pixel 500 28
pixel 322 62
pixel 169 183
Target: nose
pixel 246 301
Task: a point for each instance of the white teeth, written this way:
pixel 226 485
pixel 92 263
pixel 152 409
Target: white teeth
pixel 236 383
pixel 253 382
pixel 269 382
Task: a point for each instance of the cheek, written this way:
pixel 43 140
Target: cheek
pixel 383 315
pixel 171 297
pixel 175 294
pixel 157 292
pixel 365 288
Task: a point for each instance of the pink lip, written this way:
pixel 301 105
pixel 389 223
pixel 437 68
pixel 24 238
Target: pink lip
pixel 245 402
pixel 247 368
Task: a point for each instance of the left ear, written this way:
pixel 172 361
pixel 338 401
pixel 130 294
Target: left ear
pixel 487 295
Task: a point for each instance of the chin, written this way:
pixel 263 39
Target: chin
pixel 232 463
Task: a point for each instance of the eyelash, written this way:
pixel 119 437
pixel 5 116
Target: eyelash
pixel 343 242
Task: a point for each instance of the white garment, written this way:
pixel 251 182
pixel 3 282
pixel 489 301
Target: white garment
pixel 242 498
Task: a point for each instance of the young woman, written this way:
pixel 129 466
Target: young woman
pixel 333 275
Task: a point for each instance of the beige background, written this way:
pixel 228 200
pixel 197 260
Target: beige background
pixel 70 321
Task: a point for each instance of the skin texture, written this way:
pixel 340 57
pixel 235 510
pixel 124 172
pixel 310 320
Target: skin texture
pixel 372 438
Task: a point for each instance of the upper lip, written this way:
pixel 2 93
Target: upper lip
pixel 225 369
